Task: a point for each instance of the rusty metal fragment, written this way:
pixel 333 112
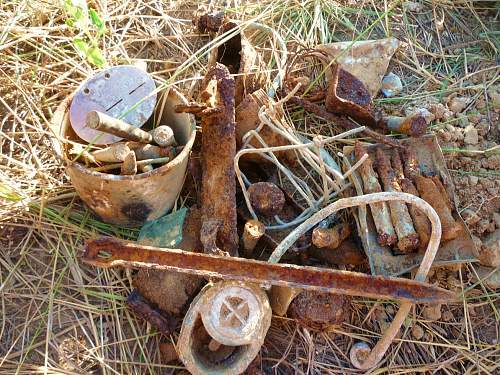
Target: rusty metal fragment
pixel 147 151
pixel 401 219
pixel 110 252
pixel 141 307
pixel 218 190
pixel 420 221
pixel 163 136
pixel 102 122
pixel 342 121
pixel 280 298
pixel 411 167
pixel 112 154
pixel 420 156
pixel 252 232
pixel 348 96
pixel 208 21
pixel 380 211
pixel 266 198
pixel 241 59
pixel 320 310
pixel 431 193
pixel 414 125
pixel 129 165
pixel 347 253
pixel 331 238
pixel 247 119
pixel 224 328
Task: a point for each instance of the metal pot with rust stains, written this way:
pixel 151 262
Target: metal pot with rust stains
pixel 128 200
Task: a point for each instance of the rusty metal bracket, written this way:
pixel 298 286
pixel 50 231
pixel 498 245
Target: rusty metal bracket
pixel 109 252
pixel 348 96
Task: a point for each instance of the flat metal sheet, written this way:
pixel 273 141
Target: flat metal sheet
pixel 116 91
pixel 459 250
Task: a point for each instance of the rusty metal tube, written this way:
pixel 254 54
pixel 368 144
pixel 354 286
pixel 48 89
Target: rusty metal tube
pixel 218 188
pixel 107 124
pixel 380 211
pixel 408 239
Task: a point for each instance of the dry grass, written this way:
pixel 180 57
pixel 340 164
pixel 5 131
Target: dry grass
pixel 60 316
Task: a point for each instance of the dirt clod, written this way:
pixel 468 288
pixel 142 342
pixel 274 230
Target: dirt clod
pixel 320 310
pixel 432 312
pixel 417 332
pixel 489 252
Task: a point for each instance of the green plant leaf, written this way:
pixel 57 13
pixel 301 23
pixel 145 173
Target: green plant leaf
pixel 81 46
pixel 94 55
pixel 78 11
pixel 97 21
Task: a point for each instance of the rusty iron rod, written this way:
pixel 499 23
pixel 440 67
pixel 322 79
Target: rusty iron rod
pixel 110 252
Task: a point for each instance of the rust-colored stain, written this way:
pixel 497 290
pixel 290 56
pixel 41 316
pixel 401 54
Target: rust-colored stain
pixel 110 252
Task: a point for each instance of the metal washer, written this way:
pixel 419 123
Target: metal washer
pixel 115 91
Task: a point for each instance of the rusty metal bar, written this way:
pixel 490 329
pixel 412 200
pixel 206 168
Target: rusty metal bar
pixel 110 252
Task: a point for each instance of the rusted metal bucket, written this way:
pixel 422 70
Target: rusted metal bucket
pixel 129 200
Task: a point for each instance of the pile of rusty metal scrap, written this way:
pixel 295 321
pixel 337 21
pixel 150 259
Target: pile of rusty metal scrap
pixel 269 194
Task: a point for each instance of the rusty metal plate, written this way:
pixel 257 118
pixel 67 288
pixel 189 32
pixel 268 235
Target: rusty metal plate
pixel 459 250
pixel 117 92
pixel 110 252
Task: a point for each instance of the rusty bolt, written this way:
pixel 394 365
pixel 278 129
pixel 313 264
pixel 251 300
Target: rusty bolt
pixel 266 198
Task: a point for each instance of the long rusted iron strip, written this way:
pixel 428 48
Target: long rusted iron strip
pixel 110 252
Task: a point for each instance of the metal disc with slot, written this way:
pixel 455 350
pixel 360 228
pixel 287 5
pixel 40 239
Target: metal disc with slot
pixel 124 92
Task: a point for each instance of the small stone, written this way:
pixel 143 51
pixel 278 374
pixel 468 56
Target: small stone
pixel 475 118
pixel 471 136
pixel 444 135
pixel 438 110
pixel 432 312
pixel 488 276
pixel 391 85
pixel 489 252
pixel 167 352
pixel 473 180
pixel 417 332
pixel 413 6
pixel 447 316
pixel 496 219
pixel 424 112
pixel 480 103
pixel 457 105
pixel 470 217
pixel 390 310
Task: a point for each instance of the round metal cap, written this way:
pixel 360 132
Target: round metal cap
pixel 116 92
pixel 233 316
